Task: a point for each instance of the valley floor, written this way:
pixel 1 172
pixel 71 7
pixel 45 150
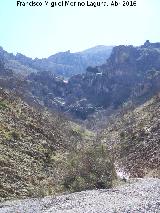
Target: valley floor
pixel 136 196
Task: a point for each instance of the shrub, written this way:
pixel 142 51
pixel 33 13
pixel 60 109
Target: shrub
pixel 2 105
pixel 88 168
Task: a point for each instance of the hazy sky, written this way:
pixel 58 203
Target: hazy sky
pixel 40 32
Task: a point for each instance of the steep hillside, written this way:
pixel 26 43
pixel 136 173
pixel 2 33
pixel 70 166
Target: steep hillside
pixel 134 138
pixel 41 153
pixel 28 140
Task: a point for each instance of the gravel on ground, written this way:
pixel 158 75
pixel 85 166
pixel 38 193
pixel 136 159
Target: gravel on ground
pixel 136 196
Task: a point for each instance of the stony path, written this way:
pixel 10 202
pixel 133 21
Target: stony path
pixel 138 196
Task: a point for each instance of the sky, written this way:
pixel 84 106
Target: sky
pixel 44 31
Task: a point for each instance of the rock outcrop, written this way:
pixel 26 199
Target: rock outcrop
pixel 130 74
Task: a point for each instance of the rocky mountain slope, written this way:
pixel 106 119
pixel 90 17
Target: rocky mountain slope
pixel 134 139
pixel 130 74
pixel 64 64
pixel 41 153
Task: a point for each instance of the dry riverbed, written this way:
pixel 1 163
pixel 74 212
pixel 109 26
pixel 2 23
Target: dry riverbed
pixel 136 196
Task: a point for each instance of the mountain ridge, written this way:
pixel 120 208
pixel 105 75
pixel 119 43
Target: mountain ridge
pixel 65 63
pixel 131 74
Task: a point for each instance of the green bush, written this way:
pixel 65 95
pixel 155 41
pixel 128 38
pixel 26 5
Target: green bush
pixel 2 105
pixel 88 168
